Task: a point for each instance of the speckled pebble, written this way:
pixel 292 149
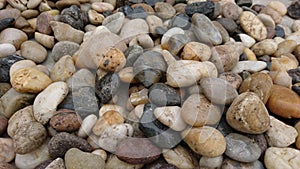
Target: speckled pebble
pixel 253 26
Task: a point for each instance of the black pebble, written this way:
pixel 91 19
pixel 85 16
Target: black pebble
pixel 5 64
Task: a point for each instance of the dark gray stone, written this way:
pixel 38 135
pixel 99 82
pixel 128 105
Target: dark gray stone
pixel 161 94
pixel 5 64
pixel 74 17
pixel 107 87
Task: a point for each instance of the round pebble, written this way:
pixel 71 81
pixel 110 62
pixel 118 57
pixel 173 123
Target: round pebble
pixel 8 152
pixel 65 120
pixel 33 51
pixel 281 157
pixel 7 49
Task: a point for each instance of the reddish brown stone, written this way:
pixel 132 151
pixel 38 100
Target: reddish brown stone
pixel 43 23
pixel 65 120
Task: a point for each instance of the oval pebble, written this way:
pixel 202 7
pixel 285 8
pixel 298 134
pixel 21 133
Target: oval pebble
pixel 171 117
pixel 87 125
pixel 33 51
pixel 65 120
pixel 7 153
pixel 276 158
pixel 7 49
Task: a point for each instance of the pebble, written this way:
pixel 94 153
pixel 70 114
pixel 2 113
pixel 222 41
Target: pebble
pixel 74 17
pixel 64 4
pixel 279 31
pixel 33 158
pixel 87 125
pixel 176 43
pixel 247 40
pixel 10 13
pixel 112 60
pixel 249 65
pixel 107 87
pixel 45 40
pixel 295 74
pixel 173 31
pixel 296 26
pixel 129 151
pixel 46 102
pixel 164 10
pixel 281 78
pixel 158 133
pixel 77 159
pixel 234 79
pixel 63 69
pixel 196 51
pixel 43 23
pixel 232 164
pixel 179 157
pixel 62 142
pixel 208 162
pixel 282 158
pixel 33 51
pixel 207 141
pixel 218 90
pixel 293 10
pixel 127 33
pixel 161 94
pixel 171 117
pixel 29 80
pixel 253 26
pixel 13 101
pixel 206 8
pixel 197 111
pixel 28 137
pixel 284 63
pixel 265 47
pixel 65 120
pixel 18 4
pixel 4 165
pixel 181 21
pixel 7 49
pixel 231 10
pixel 113 162
pixel 223 31
pixel 63 48
pixel 287 46
pixel 140 97
pixel 13 36
pixel 56 164
pixel 284 102
pixel 148 68
pixel 241 148
pixel 6 63
pixel 273 13
pixel 114 22
pixel 280 134
pixel 258 83
pixel 126 75
pixel 59 29
pixel 267 20
pixel 7 150
pixel 205 30
pixel 102 6
pixel 3 124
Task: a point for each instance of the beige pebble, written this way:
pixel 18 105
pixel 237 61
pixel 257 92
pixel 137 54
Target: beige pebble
pixel 171 117
pixel 102 6
pixel 45 40
pixel 153 22
pixel 287 46
pixel 283 63
pixel 278 6
pixel 277 158
pixel 265 47
pixel 95 17
pixel 273 13
pixel 281 78
pixel 233 78
pixel 7 153
pixel 18 4
pixel 87 125
pixel 143 40
pixel 7 49
pixel 126 75
pixel 179 157
pixel 33 51
pixel 63 69
pixel 196 51
pixel 33 3
pixel 215 162
pixel 253 26
pixel 13 36
pixel 139 97
pixel 101 153
pixel 30 13
pixel 60 29
pixel 108 107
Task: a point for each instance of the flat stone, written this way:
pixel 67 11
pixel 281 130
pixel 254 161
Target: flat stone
pixel 282 157
pixel 33 51
pixel 7 49
pixel 13 36
pixel 253 26
pixel 59 29
pixel 173 31
pixel 18 4
pixel 251 66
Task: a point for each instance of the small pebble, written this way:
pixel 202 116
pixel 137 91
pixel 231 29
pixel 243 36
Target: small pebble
pixel 112 60
pixel 42 23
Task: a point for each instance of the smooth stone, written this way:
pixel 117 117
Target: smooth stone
pixel 284 63
pixel 225 57
pixel 113 135
pixel 46 102
pixel 265 47
pixel 205 7
pixel 59 29
pixel 20 5
pixel 287 46
pixel 32 159
pixel 5 165
pixel 284 102
pixel 132 53
pixel 173 31
pixel 45 40
pixel 143 40
pixel 126 75
pixel 113 162
pixel 247 40
pixel 163 95
pixel 280 134
pixel 22 116
pixel 241 148
pixel 279 31
pixel 62 142
pixel 140 97
pixel 179 157
pixel 171 117
pixel 113 60
pixel 158 133
pixel 28 137
pixel 102 6
pixel 63 48
pixel 232 164
pixel 176 43
pixel 114 22
pixel 253 26
pixel 87 126
pixel 13 36
pixel 10 13
pixel 56 164
pixel 33 3
pixel 153 22
pixel 293 10
pixel 196 51
pixel 249 65
pixel 74 16
pixel 267 20
pixel 206 141
pixel 164 10
pixel 4 87
pixel 13 101
pixel 273 13
pixel 296 26
pixel 127 33
pixel 33 51
pixel 218 90
pixel 43 23
pixel 7 49
pixel 282 158
pixel 197 111
pixel 233 78
pixel 205 30
pixel 5 65
pixel 77 159
pixel 223 31
pixel 281 78
pixel 260 84
pixel 65 120
pixel 7 153
pixel 278 6
pixel 229 24
pixel 66 3
pixel 149 68
pixel 63 69
pixel 211 162
pixel 231 11
pixel 100 153
pixel 137 151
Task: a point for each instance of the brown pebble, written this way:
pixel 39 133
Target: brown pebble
pixel 65 120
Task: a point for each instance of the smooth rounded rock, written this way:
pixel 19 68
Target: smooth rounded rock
pixel 13 36
pixel 163 95
pixel 65 120
pixel 59 29
pixel 63 69
pixel 249 65
pixel 253 26
pixel 33 51
pixel 196 51
pixel 247 40
pixel 128 33
pixel 87 125
pixel 45 40
pixel 208 162
pixel 42 23
pixel 114 22
pixel 20 65
pixel 282 158
pixel 179 157
pixel 287 46
pixel 273 13
pixel 164 10
pixel 7 49
pixel 8 152
pixel 265 47
pixel 113 162
pixel 171 117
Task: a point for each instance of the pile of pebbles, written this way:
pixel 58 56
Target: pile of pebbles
pixel 149 84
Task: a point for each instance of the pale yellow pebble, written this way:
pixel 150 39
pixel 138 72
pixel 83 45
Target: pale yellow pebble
pixel 250 54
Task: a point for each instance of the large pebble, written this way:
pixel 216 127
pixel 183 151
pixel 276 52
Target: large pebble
pixel 218 90
pixel 128 33
pixel 33 51
pixel 249 65
pixel 241 148
pixel 171 117
pixel 259 83
pixel 161 94
pixel 273 13
pixel 248 114
pixel 137 151
pixel 65 120
pixel 62 142
pixel 7 153
pixel 5 65
pixel 63 69
pixel 7 49
pixel 20 65
pixel 77 159
pixel 197 111
pixel 29 80
pixel 233 78
pixel 280 134
pixel 46 102
pixel 265 47
pixel 43 23
pixel 28 137
pixel 176 43
pixel 196 51
pixel 284 102
pixel 13 36
pixel 63 48
pixel 205 30
pixel 32 159
pixel 206 141
pixel 276 158
pixel 179 157
pixel 114 22
pixel 253 26
pixel 287 46
pixel 60 34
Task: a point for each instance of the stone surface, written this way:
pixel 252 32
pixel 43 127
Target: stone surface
pixel 5 65
pixel 282 158
pixel 232 164
pixel 196 51
pixel 28 137
pixel 46 102
pixel 203 7
pixel 4 165
pixel 265 47
pixel 45 40
pixel 63 69
pixel 127 33
pixel 163 95
pixel 7 150
pixel 250 66
pixel 114 22
pixel 171 117
pixel 284 102
pixel 233 78
pixel 56 164
pixel 293 10
pixel 62 142
pixel 179 157
pixel 7 49
pixel 280 134
pixel 3 124
pixel 74 17
pixel 164 10
pixel 59 29
pixel 63 48
pixel 43 23
pixel 241 148
pixel 287 46
pixel 253 26
pixel 33 51
pixel 107 87
pixel 77 159
pixel 206 141
pixel 112 60
pixel 65 120
pixel 273 13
